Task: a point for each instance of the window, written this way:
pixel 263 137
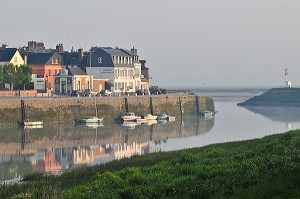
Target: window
pixel 130 85
pixel 49 72
pixel 56 60
pixel 100 60
pixel 15 59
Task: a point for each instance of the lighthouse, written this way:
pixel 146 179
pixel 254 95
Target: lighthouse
pixel 287 84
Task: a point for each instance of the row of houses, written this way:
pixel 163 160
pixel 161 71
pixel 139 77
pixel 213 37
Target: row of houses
pixel 115 69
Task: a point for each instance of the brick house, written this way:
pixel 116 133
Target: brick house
pixel 45 66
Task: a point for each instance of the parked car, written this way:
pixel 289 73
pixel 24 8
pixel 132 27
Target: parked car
pixel 154 90
pixel 76 93
pixel 90 92
pixel 142 92
pixel 105 93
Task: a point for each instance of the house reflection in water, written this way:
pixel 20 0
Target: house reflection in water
pixel 58 148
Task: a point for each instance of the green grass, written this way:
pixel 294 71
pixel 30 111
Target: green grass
pixel 260 168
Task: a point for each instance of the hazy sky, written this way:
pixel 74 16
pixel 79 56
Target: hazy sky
pixel 197 43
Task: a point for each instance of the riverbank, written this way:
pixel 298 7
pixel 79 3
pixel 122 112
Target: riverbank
pixel 260 168
pixel 68 109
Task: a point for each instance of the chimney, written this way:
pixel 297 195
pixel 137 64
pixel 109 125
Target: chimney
pixel 59 48
pixel 4 45
pixel 32 44
pixel 134 51
pixel 80 52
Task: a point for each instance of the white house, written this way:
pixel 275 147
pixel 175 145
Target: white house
pixel 120 66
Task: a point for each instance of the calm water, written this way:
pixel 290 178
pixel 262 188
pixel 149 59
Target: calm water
pixel 58 148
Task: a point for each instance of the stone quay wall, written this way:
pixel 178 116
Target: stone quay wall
pixel 68 109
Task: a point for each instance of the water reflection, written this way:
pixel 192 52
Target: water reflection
pixel 61 147
pixel 288 115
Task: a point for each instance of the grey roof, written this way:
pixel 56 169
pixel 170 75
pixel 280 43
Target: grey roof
pixel 76 71
pixel 6 54
pixel 106 53
pixel 116 52
pixel 40 58
pixel 70 58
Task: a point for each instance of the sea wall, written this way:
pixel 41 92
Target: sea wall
pixel 281 97
pixel 67 109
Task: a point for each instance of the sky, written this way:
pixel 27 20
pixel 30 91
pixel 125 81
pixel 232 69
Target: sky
pixel 191 43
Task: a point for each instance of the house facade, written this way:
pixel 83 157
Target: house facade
pixel 121 67
pixel 11 56
pixel 73 78
pixel 45 66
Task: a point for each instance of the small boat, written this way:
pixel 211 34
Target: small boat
pixel 129 116
pixel 171 118
pixel 90 119
pixel 207 114
pixel 150 117
pixel 162 116
pixel 28 123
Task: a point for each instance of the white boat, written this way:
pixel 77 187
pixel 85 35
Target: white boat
pixel 171 118
pixel 129 116
pixel 150 117
pixel 37 123
pixel 208 114
pixel 90 119
pixel 162 116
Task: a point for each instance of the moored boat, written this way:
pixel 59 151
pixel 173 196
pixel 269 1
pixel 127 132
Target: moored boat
pixel 162 116
pixel 171 118
pixel 207 114
pixel 90 119
pixel 129 116
pixel 150 117
pixel 36 123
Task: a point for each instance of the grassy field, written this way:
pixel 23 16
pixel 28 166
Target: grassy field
pixel 260 168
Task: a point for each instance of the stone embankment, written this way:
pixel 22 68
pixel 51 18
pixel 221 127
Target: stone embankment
pixel 276 97
pixel 68 109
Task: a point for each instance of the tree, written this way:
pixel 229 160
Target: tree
pixel 9 72
pixel 23 75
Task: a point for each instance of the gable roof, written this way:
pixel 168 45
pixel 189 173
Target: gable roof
pixel 40 58
pixel 6 54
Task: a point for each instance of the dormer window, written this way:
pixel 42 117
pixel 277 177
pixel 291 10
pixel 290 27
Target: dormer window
pixel 52 61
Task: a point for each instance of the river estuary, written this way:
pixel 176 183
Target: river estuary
pixel 58 148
